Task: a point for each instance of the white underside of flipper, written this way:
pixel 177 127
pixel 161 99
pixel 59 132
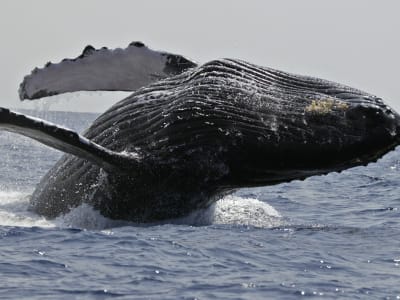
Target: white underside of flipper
pixel 103 69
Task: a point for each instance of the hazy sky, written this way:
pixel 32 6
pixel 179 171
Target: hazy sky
pixel 356 42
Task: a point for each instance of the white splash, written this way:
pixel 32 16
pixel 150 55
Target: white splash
pixel 235 210
pixel 85 217
pixel 231 210
pixel 13 211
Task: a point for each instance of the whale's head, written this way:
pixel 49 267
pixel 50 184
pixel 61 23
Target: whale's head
pixel 355 120
pixel 364 126
pixel 376 123
pixel 287 126
pixel 324 133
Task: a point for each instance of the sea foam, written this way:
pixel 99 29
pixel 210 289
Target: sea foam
pixel 230 210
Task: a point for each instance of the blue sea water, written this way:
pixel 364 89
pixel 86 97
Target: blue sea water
pixel 328 237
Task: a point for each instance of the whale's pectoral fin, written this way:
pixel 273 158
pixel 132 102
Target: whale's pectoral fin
pixel 67 141
pixel 103 70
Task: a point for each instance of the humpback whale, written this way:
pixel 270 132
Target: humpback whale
pixel 190 133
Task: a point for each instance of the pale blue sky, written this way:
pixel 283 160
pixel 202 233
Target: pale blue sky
pixel 355 42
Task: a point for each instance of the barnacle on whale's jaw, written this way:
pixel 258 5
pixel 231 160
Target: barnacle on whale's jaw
pixel 326 106
pixel 377 121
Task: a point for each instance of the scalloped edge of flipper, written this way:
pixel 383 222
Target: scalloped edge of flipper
pixel 68 141
pixel 103 69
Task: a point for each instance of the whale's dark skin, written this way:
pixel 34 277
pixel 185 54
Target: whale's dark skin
pixel 179 143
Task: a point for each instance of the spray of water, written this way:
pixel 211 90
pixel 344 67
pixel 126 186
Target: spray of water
pixel 232 210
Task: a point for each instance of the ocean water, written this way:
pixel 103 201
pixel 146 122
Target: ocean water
pixel 328 237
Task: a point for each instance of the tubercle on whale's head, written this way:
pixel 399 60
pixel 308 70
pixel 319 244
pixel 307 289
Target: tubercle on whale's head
pixel 377 119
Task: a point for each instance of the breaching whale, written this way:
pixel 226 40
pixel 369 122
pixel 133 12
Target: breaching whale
pixel 190 133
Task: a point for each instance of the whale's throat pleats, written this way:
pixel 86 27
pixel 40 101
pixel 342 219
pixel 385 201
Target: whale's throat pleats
pixel 254 120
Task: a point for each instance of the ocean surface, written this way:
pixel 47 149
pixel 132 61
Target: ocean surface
pixel 328 237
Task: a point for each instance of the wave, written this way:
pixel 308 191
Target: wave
pixel 230 210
